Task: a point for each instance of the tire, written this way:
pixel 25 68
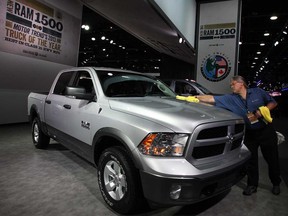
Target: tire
pixel 119 182
pixel 40 140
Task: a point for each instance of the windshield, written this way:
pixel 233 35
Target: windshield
pixel 125 84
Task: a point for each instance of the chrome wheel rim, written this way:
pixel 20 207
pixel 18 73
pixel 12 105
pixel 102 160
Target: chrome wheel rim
pixel 115 180
pixel 36 133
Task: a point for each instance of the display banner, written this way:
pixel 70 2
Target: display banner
pixel 38 30
pixel 217 44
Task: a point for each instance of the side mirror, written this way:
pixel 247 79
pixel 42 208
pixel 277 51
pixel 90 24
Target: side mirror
pixel 79 93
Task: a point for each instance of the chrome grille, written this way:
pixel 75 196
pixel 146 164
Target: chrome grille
pixel 217 139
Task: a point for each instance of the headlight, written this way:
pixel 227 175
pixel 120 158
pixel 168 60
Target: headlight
pixel 164 144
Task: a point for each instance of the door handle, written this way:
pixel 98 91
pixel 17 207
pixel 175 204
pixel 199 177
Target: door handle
pixel 66 106
pixel 48 101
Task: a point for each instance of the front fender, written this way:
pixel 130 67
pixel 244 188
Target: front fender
pixel 107 137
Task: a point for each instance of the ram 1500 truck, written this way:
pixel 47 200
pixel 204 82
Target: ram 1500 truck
pixel 145 143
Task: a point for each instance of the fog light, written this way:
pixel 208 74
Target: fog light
pixel 175 191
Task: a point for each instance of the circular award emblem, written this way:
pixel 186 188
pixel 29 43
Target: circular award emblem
pixel 215 67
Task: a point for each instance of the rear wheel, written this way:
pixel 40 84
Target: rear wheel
pixel 40 140
pixel 118 181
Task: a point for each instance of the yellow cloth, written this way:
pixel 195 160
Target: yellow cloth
pixel 180 97
pixel 265 112
pixel 189 98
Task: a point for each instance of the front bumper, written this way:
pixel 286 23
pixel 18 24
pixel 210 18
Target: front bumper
pixel 157 188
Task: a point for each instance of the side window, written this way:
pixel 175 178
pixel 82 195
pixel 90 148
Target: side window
pixel 183 88
pixel 179 87
pixel 84 80
pixel 63 81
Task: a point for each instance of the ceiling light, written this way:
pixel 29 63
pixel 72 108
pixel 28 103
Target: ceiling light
pixel 262 44
pixel 266 34
pixel 284 32
pixel 180 40
pixel 93 38
pixel 111 41
pixel 258 53
pixel 256 58
pixel 86 27
pixel 276 43
pixel 103 38
pixel 240 42
pixel 273 17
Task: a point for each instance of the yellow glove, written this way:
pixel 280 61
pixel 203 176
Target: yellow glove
pixel 265 112
pixel 192 99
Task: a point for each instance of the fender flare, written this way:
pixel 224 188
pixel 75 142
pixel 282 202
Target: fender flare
pixel 121 140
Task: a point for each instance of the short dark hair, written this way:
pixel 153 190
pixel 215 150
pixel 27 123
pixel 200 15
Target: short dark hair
pixel 240 79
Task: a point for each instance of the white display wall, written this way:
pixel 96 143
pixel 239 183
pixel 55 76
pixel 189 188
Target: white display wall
pixel 29 65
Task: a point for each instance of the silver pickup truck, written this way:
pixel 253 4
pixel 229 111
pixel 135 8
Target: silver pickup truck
pixel 146 144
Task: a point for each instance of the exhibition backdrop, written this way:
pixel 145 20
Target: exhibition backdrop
pixel 37 39
pixel 38 30
pixel 217 44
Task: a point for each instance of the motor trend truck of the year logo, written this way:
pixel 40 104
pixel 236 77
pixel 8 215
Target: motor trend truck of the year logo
pixel 34 25
pixel 215 67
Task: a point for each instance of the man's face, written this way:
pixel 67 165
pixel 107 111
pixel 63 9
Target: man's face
pixel 236 86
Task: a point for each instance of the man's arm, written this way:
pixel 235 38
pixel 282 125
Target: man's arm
pixel 206 98
pixel 271 105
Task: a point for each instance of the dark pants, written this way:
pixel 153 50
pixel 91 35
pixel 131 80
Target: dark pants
pixel 266 138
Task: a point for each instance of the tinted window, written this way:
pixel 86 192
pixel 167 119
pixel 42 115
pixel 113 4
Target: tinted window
pixel 202 88
pixel 183 88
pixel 83 79
pixel 63 81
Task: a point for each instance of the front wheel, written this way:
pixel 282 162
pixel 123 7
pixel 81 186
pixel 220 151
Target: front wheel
pixel 118 181
pixel 40 140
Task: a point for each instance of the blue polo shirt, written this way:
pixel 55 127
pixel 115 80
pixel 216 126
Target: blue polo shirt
pixel 255 98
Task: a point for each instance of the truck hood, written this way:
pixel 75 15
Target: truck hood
pixel 174 114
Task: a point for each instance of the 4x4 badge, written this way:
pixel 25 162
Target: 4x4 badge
pixel 85 124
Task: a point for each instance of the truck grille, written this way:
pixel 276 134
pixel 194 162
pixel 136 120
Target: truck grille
pixel 208 151
pixel 218 140
pixel 211 133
